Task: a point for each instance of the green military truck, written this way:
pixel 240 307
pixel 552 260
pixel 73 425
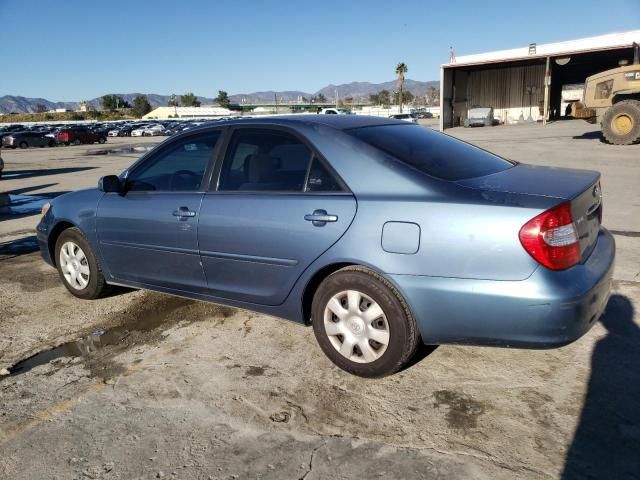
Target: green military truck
pixel 613 99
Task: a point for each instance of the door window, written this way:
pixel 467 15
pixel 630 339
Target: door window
pixel 265 160
pixel 179 168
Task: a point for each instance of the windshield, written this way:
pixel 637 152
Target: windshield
pixel 431 152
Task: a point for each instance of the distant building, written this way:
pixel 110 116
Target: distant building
pixel 526 84
pixel 189 112
pixel 84 106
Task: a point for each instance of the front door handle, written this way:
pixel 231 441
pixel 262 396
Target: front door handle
pixel 184 213
pixel 319 218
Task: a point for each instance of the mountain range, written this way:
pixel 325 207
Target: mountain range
pixel 355 90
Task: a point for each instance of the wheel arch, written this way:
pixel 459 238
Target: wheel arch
pixel 58 228
pixel 318 277
pixel 619 97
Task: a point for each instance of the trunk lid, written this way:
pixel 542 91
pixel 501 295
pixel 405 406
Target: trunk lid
pixel 580 187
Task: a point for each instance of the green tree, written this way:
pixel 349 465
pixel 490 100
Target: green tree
pixel 113 102
pixel 141 106
pixel 401 69
pixel 383 97
pixel 41 108
pixel 189 100
pixel 223 99
pixel 109 102
pixel 320 98
pixel 407 97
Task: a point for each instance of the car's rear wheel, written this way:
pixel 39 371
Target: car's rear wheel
pixel 77 141
pixel 51 143
pixel 78 266
pixel 102 140
pixel 24 145
pixel 362 323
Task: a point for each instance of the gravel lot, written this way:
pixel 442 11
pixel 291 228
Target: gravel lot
pixel 183 389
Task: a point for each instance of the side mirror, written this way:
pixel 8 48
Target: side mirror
pixel 109 183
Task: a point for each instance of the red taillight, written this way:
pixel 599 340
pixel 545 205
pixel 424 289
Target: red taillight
pixel 552 239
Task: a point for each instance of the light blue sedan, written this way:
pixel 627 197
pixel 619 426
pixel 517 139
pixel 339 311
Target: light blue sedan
pixel 379 233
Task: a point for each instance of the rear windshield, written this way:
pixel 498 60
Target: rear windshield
pixel 432 152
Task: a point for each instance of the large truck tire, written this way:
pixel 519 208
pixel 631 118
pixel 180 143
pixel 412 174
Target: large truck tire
pixel 621 123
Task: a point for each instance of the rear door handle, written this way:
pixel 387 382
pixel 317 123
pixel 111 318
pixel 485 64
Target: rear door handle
pixel 184 213
pixel 319 218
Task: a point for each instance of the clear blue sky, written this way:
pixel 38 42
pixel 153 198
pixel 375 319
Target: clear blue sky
pixel 80 49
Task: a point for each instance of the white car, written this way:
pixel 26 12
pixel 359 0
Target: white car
pixel 406 117
pixel 113 133
pixel 336 111
pixel 153 131
pixel 139 132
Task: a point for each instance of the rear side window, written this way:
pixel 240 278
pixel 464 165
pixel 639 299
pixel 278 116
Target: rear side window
pixel 265 160
pixel 431 152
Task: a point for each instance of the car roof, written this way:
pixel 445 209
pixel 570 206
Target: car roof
pixel 339 122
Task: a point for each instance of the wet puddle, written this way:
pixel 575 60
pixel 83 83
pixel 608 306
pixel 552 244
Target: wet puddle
pixel 83 347
pixel 14 205
pixel 145 326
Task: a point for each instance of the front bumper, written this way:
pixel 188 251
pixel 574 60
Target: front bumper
pixel 549 309
pixel 42 235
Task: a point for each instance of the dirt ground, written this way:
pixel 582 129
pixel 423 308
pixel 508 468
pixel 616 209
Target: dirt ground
pixel 144 385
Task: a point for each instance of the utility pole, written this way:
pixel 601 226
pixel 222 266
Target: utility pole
pixel 275 98
pixel 336 97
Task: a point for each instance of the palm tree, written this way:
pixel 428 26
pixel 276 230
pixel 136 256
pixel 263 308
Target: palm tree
pixel 401 69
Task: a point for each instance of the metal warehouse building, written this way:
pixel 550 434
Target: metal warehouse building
pixel 513 81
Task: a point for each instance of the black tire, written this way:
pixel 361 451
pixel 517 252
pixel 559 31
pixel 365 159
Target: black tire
pixel 629 110
pixel 23 145
pixel 77 141
pixel 51 144
pixel 66 144
pixel 102 140
pixel 403 333
pixel 97 286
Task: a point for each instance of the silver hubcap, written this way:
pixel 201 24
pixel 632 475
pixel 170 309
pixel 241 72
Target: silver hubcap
pixel 74 265
pixel 356 326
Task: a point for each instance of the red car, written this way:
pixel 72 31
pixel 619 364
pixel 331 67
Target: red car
pixel 78 135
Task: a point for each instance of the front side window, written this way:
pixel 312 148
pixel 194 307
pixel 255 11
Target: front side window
pixel 179 168
pixel 265 160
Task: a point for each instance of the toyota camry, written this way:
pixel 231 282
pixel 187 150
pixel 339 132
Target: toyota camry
pixel 380 234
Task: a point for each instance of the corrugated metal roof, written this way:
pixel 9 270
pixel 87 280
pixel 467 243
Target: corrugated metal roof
pixel 581 45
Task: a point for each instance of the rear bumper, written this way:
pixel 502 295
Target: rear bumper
pixel 549 309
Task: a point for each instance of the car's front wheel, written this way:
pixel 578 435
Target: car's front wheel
pixel 362 323
pixel 78 266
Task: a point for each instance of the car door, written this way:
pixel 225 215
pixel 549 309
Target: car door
pixel 148 234
pixel 275 208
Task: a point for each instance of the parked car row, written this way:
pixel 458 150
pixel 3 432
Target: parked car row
pixel 23 136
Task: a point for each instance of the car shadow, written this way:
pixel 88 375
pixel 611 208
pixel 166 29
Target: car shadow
pixel 22 191
pixel 606 443
pixel 14 205
pixel 595 135
pixel 20 246
pixel 422 352
pixel 20 174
